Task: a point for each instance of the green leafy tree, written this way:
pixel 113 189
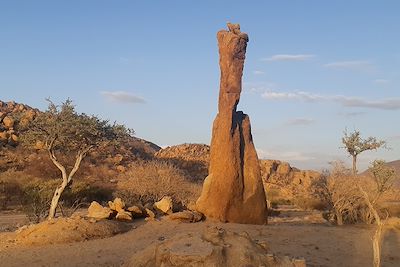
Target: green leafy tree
pixel 63 131
pixel 355 145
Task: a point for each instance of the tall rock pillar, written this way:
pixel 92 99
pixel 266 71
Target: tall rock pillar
pixel 233 190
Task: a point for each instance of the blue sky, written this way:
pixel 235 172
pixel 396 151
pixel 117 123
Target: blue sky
pixel 313 68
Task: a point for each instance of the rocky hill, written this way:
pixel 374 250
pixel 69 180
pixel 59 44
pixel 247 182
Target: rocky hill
pixel 194 158
pixel 283 182
pixel 16 116
pixel 279 178
pixel 12 117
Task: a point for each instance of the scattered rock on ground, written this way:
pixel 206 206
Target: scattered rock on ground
pixel 165 205
pixel 124 216
pixel 151 215
pixel 97 211
pixel 137 211
pixel 118 205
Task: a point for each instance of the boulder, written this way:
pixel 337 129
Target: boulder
pixel 165 205
pixel 137 211
pixel 118 205
pixel 213 247
pixel 187 216
pixel 233 190
pixel 8 122
pixel 97 211
pixel 4 136
pixel 124 216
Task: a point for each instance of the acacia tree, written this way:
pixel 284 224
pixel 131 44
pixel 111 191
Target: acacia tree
pixel 355 145
pixel 63 131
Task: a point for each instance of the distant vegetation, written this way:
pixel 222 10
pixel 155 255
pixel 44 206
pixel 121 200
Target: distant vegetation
pixel 355 145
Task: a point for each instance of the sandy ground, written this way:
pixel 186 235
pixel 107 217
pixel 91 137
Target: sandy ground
pixel 320 244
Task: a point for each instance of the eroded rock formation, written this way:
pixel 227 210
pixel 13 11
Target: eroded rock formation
pixel 213 247
pixel 233 190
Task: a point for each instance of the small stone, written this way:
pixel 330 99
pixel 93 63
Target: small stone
pixel 136 210
pixel 124 216
pixel 165 205
pixel 150 213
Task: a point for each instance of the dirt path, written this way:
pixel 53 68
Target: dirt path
pixel 320 245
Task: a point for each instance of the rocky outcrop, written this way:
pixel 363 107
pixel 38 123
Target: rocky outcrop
pixel 233 190
pixel 14 117
pixel 192 158
pixel 284 181
pixel 213 247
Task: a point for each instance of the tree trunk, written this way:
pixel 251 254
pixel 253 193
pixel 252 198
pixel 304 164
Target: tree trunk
pixel 66 179
pixel 354 164
pixel 55 199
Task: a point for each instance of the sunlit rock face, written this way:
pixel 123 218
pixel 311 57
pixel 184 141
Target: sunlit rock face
pixel 233 190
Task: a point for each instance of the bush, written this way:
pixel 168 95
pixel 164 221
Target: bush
pixel 37 195
pixel 9 192
pixel 347 196
pixel 36 198
pixel 10 187
pixel 149 181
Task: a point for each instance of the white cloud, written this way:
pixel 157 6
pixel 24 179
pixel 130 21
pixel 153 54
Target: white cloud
pixel 346 101
pixel 386 104
pixel 286 57
pixel 381 81
pixel 258 72
pixel 300 121
pixel 352 114
pixel 362 65
pixel 122 97
pixel 283 155
pixel 300 95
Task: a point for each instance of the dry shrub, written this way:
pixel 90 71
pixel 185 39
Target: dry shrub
pixel 37 195
pixel 343 194
pixel 149 181
pixel 10 188
pixel 36 198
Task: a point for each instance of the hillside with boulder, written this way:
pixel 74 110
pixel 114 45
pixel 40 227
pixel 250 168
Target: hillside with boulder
pixel 13 117
pixel 194 158
pixel 281 181
pixel 284 182
pixel 16 117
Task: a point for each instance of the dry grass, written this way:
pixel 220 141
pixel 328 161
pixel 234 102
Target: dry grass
pixel 149 181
